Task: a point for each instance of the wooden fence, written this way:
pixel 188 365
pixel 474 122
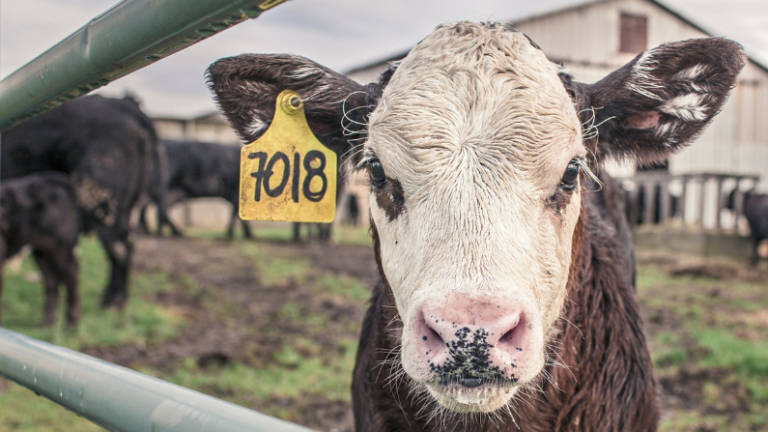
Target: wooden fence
pixel 692 201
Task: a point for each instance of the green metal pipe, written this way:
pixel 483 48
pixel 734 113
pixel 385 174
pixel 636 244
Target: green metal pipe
pixel 129 36
pixel 121 399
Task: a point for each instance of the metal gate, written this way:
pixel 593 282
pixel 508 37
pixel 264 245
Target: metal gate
pixel 127 37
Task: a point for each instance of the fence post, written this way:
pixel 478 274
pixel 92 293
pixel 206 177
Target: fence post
pixel 719 202
pixel 702 180
pixel 684 199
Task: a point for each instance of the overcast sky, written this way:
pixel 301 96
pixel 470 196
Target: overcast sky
pixel 338 33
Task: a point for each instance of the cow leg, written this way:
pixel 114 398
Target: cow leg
pixel 160 221
pixel 120 251
pixel 159 216
pixel 246 229
pixel 324 232
pixel 68 268
pixel 143 219
pixel 50 285
pixel 296 232
pixel 175 231
pixel 162 216
pixel 231 223
pixel 755 252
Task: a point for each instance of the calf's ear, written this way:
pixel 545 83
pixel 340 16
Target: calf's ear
pixel 659 101
pixel 246 88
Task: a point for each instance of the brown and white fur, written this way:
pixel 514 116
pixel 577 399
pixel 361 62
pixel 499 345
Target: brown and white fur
pixel 506 298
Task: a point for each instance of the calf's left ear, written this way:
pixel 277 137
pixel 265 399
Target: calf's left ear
pixel 659 101
pixel 246 88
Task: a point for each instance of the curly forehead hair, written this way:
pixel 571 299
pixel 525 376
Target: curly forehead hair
pixel 475 86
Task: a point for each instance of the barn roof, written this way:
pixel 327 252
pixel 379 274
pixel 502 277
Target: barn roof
pixel 576 5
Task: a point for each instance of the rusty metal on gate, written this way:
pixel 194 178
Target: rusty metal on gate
pixel 288 174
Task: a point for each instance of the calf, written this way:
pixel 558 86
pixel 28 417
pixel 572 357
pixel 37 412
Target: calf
pixel 197 169
pixel 39 210
pixel 755 207
pixel 104 145
pixel 506 299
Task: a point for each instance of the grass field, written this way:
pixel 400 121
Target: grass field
pixel 273 326
pixel 709 344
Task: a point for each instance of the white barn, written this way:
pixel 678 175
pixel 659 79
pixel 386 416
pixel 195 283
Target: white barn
pixel 595 37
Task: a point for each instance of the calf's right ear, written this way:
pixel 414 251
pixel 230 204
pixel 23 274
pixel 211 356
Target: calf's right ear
pixel 246 88
pixel 659 101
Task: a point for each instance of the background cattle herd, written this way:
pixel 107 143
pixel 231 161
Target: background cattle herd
pixel 84 167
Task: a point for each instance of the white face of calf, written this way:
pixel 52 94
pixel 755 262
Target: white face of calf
pixel 474 147
pixel 473 152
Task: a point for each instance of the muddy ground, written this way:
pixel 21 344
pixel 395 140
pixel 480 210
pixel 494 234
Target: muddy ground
pixel 224 299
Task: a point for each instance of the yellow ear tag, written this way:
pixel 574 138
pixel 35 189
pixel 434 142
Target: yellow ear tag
pixel 288 174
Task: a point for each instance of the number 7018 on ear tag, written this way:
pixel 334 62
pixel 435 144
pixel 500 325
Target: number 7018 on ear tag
pixel 288 174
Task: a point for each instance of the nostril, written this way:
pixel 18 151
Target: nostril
pixel 515 333
pixel 507 336
pixel 432 334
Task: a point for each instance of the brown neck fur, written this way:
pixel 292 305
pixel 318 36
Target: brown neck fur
pixel 600 375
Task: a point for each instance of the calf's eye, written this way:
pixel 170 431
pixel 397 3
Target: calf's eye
pixel 376 173
pixel 571 175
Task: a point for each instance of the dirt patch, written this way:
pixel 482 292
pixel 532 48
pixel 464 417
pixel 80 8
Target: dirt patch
pixel 227 299
pixel 355 261
pixel 713 271
pixel 708 390
pixel 722 268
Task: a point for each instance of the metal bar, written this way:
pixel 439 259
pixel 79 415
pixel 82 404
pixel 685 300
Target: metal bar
pixel 702 199
pixel 683 199
pixel 118 398
pixel 719 203
pixel 129 36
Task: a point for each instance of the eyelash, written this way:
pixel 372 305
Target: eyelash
pixel 570 177
pixel 375 170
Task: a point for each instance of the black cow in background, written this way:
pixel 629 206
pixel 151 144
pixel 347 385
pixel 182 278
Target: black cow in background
pixel 755 206
pixel 198 169
pixel 105 146
pixel 315 231
pixel 40 210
